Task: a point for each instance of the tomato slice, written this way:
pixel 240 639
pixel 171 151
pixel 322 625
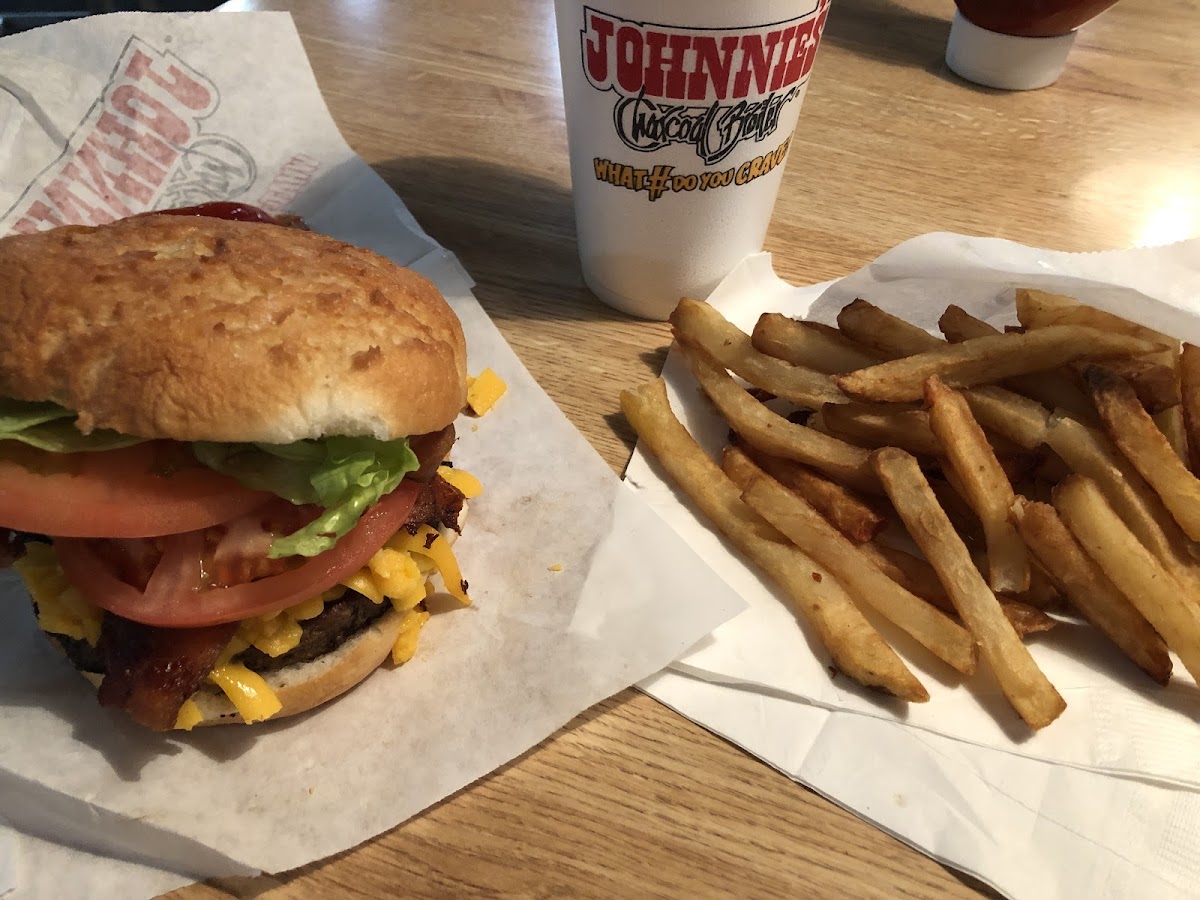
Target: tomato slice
pixel 174 599
pixel 146 490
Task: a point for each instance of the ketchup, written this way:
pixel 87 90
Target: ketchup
pixel 1032 18
pixel 222 209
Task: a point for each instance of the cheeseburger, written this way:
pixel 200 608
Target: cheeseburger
pixel 222 445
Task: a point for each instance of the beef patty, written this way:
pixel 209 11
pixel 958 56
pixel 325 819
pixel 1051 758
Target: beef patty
pixel 340 619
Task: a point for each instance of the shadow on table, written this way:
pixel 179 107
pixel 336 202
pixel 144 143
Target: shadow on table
pixel 513 232
pixel 891 32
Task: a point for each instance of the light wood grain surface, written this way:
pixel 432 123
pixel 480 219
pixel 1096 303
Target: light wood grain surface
pixel 459 107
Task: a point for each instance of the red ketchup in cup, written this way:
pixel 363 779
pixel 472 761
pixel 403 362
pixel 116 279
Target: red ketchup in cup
pixel 1016 45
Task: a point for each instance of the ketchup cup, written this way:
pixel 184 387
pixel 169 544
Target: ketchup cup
pixel 1016 45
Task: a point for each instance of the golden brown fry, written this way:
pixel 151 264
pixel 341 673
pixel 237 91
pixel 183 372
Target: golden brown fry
pixel 855 646
pixel 1023 683
pixel 1132 429
pixel 774 434
pixel 1189 382
pixel 1131 567
pixel 1042 593
pixel 925 623
pixel 887 335
pixel 950 498
pixel 881 425
pixel 1090 590
pixel 1036 309
pixel 702 326
pixel 808 344
pixel 958 325
pixel 1054 390
pixel 986 359
pixel 919 577
pixel 1088 452
pixel 844 510
pixel 1170 423
pixel 1156 385
pixel 986 487
pixel 1021 420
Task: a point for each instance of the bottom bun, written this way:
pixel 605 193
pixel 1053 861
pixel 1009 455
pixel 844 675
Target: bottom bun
pixel 307 685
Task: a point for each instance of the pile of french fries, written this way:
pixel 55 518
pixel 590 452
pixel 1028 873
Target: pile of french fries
pixel 972 489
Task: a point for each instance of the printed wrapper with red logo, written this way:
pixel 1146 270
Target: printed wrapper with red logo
pixel 679 116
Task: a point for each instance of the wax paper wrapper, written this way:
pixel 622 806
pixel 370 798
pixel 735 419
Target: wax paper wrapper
pixel 1118 731
pixel 579 589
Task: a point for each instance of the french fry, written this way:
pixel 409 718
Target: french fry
pixel 1156 385
pixel 958 325
pixel 985 486
pixel 986 359
pixel 855 646
pixel 1023 683
pixel 887 335
pixel 1131 567
pixel 1170 423
pixel 774 434
pixel 1037 309
pixel 1021 420
pixel 700 325
pixel 1089 590
pixel 1088 452
pixel 881 425
pixel 919 577
pixel 1052 390
pixel 844 510
pixel 808 344
pixel 804 526
pixel 1189 384
pixel 1132 429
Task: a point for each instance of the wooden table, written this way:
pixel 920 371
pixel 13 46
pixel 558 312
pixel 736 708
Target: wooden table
pixel 458 106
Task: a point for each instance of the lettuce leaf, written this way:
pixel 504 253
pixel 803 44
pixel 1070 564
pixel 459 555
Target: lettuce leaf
pixel 51 427
pixel 345 475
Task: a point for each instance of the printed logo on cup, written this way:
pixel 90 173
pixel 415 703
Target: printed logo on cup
pixel 710 89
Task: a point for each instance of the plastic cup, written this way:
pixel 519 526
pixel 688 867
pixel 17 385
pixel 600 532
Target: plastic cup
pixel 680 116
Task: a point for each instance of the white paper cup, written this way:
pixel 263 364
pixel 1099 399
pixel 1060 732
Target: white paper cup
pixel 679 116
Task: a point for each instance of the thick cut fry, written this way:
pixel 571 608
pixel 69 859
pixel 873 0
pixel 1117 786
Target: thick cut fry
pixel 1023 683
pixel 856 647
pixel 958 325
pixel 845 511
pixel 1036 309
pixel 808 344
pixel 1052 390
pixel 1156 385
pixel 928 625
pixel 1088 452
pixel 985 486
pixel 887 335
pixel 986 359
pixel 881 425
pixel 1021 420
pixel 773 433
pixel 1170 423
pixel 1189 380
pixel 1089 590
pixel 1131 567
pixel 1132 429
pixel 918 576
pixel 699 324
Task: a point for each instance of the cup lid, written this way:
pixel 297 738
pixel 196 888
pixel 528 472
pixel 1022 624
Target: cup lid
pixel 1003 61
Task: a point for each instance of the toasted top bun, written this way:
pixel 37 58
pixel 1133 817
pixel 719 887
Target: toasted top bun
pixel 205 329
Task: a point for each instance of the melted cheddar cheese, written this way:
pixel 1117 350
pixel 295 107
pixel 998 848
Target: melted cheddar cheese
pixel 483 390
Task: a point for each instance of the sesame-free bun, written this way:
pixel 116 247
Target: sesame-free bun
pixel 196 328
pixel 307 685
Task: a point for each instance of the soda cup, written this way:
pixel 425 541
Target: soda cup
pixel 680 115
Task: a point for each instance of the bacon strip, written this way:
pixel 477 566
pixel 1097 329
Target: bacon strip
pixel 152 671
